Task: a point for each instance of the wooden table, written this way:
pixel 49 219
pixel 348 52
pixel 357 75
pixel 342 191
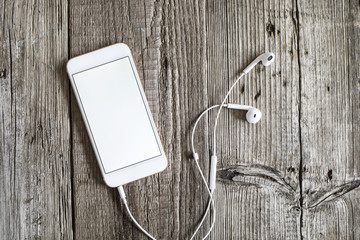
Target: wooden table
pixel 294 175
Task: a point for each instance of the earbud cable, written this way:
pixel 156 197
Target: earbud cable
pixel 210 203
pixel 210 189
pixel 123 197
pixel 196 123
pixel 196 159
pixel 221 107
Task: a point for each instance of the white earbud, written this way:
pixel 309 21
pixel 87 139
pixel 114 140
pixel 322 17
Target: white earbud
pixel 253 115
pixel 266 59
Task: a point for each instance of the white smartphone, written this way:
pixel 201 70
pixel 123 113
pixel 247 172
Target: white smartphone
pixel 116 114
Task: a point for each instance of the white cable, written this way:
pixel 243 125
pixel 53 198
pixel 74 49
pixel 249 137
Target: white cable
pixel 221 106
pixel 211 201
pixel 123 197
pixel 196 123
pixel 213 221
pixel 196 158
pixel 209 205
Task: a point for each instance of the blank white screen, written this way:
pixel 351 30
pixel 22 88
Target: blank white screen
pixel 116 114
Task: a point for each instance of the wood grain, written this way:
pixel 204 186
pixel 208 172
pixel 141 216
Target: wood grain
pixel 35 179
pixel 246 29
pixel 294 175
pixel 329 54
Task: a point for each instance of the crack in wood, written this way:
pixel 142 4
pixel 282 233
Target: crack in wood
pixel 332 194
pixel 267 177
pixel 255 174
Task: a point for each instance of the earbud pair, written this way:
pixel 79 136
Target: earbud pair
pixel 253 115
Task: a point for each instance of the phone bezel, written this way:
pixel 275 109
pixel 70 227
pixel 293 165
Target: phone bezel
pixel 136 171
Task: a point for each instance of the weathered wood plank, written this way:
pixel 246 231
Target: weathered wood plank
pixel 249 205
pixel 35 181
pixel 261 206
pixel 170 57
pixel 329 58
pixel 187 54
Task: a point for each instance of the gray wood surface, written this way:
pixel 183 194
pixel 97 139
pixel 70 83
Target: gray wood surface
pixel 35 163
pixel 294 175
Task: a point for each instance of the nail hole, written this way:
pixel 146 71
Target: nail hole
pixel 257 95
pixel 291 169
pixel 270 28
pixel 242 89
pixel 3 73
pixel 330 174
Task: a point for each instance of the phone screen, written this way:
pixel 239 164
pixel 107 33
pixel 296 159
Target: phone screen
pixel 116 114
